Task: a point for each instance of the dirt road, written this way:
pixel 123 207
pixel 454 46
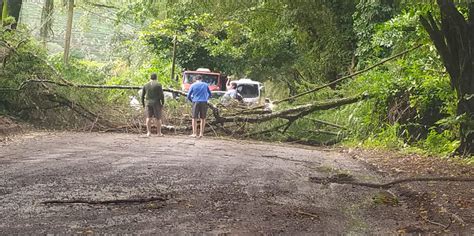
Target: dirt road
pixel 177 184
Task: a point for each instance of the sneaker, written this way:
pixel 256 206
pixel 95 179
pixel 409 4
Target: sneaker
pixel 148 134
pixel 192 136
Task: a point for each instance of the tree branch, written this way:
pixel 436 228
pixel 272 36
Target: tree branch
pixel 295 112
pixel 22 86
pixel 101 5
pixel 349 76
pixel 117 201
pixel 327 123
pixel 347 179
pixel 272 129
pixel 381 62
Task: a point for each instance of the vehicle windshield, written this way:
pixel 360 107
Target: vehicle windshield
pixel 209 79
pixel 248 90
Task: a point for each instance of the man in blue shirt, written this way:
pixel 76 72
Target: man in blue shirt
pixel 199 94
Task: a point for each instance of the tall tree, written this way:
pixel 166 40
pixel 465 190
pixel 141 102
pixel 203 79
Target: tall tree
pixel 46 19
pixel 453 37
pixel 67 44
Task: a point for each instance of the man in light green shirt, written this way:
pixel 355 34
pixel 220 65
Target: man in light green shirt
pixel 153 101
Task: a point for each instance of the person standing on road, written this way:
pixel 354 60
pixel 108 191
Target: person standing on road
pixel 153 101
pixel 199 95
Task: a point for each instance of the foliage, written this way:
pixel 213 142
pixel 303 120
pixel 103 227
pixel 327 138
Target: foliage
pixel 18 65
pixel 291 46
pixel 295 45
pixel 440 143
pixel 410 96
pixel 367 16
pixel 193 39
pixel 263 40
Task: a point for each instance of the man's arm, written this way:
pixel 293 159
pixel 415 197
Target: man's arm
pixel 162 96
pixel 143 96
pixel 190 94
pixel 209 92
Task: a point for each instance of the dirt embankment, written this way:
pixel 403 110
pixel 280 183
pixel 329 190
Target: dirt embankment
pixel 8 126
pixel 125 183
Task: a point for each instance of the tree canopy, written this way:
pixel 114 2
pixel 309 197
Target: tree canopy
pixel 421 97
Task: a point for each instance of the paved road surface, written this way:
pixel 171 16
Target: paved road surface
pixel 209 185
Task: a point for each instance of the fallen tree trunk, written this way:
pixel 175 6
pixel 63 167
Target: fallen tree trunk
pixel 293 113
pixel 381 62
pixel 240 117
pixel 123 87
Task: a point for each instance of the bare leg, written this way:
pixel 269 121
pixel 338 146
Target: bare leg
pixel 148 127
pixel 158 127
pixel 194 128
pixel 203 124
pixel 153 121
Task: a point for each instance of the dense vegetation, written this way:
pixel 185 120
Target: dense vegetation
pixel 290 46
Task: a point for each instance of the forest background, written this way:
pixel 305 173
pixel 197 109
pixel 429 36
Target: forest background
pixel 289 46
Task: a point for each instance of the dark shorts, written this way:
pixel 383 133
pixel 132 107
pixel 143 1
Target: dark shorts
pixel 199 110
pixel 153 110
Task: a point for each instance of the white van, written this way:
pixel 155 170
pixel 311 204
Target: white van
pixel 250 90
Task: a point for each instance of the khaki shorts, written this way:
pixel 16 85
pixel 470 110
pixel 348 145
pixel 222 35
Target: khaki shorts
pixel 199 110
pixel 153 110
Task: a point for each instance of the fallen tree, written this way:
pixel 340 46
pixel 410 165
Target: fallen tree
pixel 291 114
pixel 254 115
pixel 91 86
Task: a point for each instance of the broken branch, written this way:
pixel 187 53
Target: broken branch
pixel 346 179
pixel 117 201
pixel 383 61
pixel 326 123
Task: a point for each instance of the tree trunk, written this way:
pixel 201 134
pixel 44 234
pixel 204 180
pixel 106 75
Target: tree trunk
pixel 4 11
pixel 46 20
pixel 466 110
pixel 1 8
pixel 67 44
pixel 14 7
pixel 453 37
pixel 173 65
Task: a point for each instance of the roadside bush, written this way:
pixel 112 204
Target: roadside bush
pixel 409 96
pixel 440 143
